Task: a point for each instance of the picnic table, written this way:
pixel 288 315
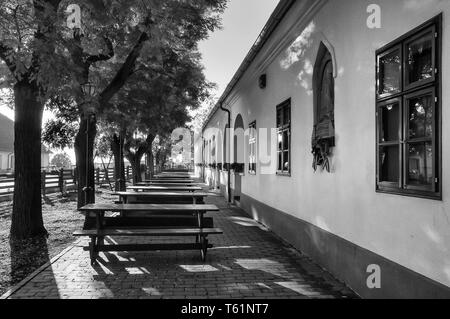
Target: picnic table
pixel 172 177
pixel 159 180
pixel 121 227
pixel 169 184
pixel 174 173
pixel 160 197
pixel 156 188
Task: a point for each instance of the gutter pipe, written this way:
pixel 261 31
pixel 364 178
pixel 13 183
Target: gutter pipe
pixel 229 147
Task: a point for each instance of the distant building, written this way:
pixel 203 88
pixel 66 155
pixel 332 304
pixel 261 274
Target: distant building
pixel 6 143
pixel 7 146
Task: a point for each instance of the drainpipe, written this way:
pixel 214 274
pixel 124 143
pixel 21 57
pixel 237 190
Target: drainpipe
pixel 229 149
pixel 203 159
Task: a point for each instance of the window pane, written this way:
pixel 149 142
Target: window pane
pixel 390 73
pixel 420 162
pixel 286 115
pixel 286 161
pixel 280 141
pixel 390 122
pixel 285 140
pixel 280 161
pixel 421 117
pixel 389 164
pixel 420 61
pixel 279 117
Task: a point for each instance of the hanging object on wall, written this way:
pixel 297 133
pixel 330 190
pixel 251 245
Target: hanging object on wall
pixel 263 81
pixel 321 154
pixel 323 137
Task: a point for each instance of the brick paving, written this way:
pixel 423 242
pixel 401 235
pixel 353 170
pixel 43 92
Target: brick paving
pixel 247 261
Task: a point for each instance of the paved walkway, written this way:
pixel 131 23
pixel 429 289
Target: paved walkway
pixel 247 261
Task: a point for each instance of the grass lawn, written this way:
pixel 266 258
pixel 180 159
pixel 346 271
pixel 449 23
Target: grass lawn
pixel 61 219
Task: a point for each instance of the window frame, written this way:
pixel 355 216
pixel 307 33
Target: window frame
pixel 408 141
pixel 398 142
pixel 394 48
pixel 282 128
pixel 407 91
pixel 252 141
pixel 421 83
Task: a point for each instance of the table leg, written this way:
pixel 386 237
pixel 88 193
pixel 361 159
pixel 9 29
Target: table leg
pixel 200 219
pixel 100 226
pixel 200 225
pixel 93 249
pixel 98 222
pixel 125 201
pixel 204 242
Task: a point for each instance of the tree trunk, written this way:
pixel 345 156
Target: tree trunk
pixel 135 161
pixel 150 165
pixel 84 152
pixel 135 158
pixel 157 161
pixel 163 164
pixel 119 164
pixel 27 219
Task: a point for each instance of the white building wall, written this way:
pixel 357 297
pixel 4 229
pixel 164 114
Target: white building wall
pixel 5 160
pixel 45 160
pixel 412 232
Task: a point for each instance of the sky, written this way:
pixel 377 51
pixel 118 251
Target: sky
pixel 225 49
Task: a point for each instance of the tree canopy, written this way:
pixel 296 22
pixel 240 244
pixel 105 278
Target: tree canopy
pixel 123 48
pixel 61 160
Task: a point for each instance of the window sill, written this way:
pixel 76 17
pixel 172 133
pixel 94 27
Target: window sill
pixel 411 193
pixel 284 174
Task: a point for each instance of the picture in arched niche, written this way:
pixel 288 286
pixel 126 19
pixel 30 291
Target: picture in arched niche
pixel 323 137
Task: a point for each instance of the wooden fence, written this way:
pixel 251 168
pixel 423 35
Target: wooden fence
pixel 105 177
pixel 51 182
pixel 6 186
pixel 60 181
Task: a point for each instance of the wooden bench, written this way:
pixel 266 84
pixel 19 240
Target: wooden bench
pixel 168 180
pixel 161 197
pixel 168 184
pixel 159 223
pixel 165 188
pixel 173 177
